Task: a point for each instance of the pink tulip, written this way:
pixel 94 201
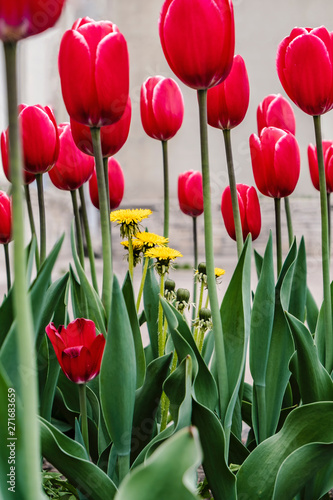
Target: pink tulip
pixel 94 72
pixel 305 68
pixel 116 185
pixel 162 107
pixel 275 111
pixel 190 195
pixel 249 210
pixel 73 168
pixel 328 163
pixel 198 40
pixel 227 102
pixel 275 162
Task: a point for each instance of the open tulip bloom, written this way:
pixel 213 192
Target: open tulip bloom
pixel 276 111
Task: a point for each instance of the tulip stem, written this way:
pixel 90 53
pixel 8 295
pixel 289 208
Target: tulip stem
pixel 325 248
pixel 88 238
pixel 222 374
pixel 42 219
pixel 31 221
pixel 166 188
pixel 329 220
pixel 104 211
pixel 84 416
pixel 77 218
pixel 195 254
pixel 9 282
pixel 161 343
pixel 143 279
pixel 277 206
pixel 289 220
pixel 233 191
pixel 27 410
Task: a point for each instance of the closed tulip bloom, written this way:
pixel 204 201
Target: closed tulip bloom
pixel 249 210
pixel 73 168
pixel 27 176
pixel 305 68
pixel 40 138
pixel 275 111
pixel 227 102
pixel 162 107
pixel 5 218
pixel 190 195
pixel 113 137
pixel 78 349
pixel 116 185
pixel 23 18
pixel 275 162
pixel 198 40
pixel 94 72
pixel 328 163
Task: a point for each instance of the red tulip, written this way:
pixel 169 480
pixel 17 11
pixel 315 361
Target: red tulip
pixel 27 176
pixel 94 72
pixel 227 102
pixel 328 163
pixel 113 137
pixel 249 210
pixel 275 111
pixel 116 185
pixel 305 68
pixel 5 218
pixel 78 349
pixel 162 107
pixel 190 193
pixel 73 167
pixel 23 18
pixel 198 40
pixel 275 162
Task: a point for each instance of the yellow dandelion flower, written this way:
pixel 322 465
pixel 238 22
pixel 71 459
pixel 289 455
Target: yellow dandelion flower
pixel 219 272
pixel 163 256
pixel 137 245
pixel 129 220
pixel 150 240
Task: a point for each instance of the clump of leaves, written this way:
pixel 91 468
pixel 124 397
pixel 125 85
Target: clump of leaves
pixel 57 487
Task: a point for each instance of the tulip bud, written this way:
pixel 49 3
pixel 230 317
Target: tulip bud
pixel 198 40
pixel 328 164
pixel 190 194
pixel 5 218
pixel 275 111
pixel 305 67
pixel 116 185
pixel 227 102
pixel 162 107
pixel 73 168
pixel 249 210
pixel 275 162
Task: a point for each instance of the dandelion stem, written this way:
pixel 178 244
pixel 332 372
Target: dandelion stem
pixel 161 343
pixel 143 279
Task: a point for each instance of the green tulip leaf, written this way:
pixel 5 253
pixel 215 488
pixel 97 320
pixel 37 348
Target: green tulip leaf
pixel 151 292
pixel 169 473
pixel 312 311
pixel 118 374
pixel 298 293
pixel 69 457
pixel 305 425
pixel 315 383
pixel 128 293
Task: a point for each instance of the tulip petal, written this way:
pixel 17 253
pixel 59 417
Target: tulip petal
pixel 112 77
pixel 258 165
pixel 168 108
pixel 313 165
pixel 286 165
pixel 195 193
pixel 76 77
pixel 79 332
pixel 96 352
pixel 77 363
pixel 253 215
pixel 56 340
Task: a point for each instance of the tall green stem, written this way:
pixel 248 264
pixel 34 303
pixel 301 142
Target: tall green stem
pixel 88 238
pixel 30 475
pixel 79 239
pixel 143 279
pixel 166 188
pixel 31 221
pixel 277 206
pixel 84 416
pixel 289 220
pixel 130 256
pixel 104 211
pixel 195 255
pixel 233 191
pixel 329 219
pixel 325 248
pixel 222 374
pixel 161 342
pixel 42 219
pixel 9 281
